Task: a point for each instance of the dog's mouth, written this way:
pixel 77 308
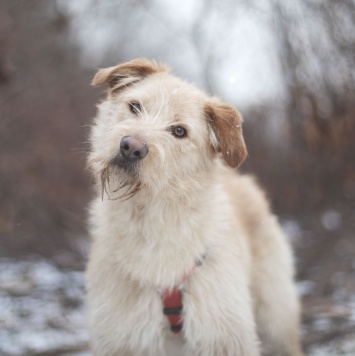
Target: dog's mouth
pixel 120 179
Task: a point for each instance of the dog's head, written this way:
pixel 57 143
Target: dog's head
pixel 155 131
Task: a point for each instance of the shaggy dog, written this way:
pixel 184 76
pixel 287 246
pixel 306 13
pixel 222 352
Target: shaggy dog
pixel 186 257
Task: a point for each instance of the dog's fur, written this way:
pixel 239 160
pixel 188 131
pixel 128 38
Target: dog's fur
pixel 153 218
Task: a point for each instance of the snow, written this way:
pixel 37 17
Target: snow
pixel 41 308
pixel 42 312
pixel 331 220
pixel 344 346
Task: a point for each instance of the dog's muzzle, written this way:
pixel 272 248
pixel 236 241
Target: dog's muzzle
pixel 132 148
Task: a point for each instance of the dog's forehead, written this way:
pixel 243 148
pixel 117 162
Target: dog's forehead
pixel 164 91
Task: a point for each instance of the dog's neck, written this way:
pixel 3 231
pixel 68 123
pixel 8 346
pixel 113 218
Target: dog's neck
pixel 158 240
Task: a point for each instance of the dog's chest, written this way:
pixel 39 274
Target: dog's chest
pixel 157 244
pixel 158 224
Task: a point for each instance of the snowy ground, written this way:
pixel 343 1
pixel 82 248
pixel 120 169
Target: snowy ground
pixel 41 310
pixel 42 314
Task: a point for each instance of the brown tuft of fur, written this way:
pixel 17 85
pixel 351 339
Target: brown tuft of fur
pixel 227 125
pixel 127 73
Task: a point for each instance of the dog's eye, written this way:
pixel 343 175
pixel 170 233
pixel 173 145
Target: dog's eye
pixel 135 108
pixel 179 132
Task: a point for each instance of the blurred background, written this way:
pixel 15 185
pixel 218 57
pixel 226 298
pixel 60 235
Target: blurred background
pixel 288 66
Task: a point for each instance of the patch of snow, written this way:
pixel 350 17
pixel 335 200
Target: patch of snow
pixel 331 220
pixel 305 287
pixel 322 324
pixel 293 230
pixel 41 308
pixel 344 346
pixel 340 294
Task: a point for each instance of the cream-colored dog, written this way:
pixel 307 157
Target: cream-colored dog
pixel 172 216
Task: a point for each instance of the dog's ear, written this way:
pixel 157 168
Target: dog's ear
pixel 127 73
pixel 226 123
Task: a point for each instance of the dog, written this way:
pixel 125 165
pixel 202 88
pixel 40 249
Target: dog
pixel 186 257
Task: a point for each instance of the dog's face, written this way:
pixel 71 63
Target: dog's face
pixel 155 131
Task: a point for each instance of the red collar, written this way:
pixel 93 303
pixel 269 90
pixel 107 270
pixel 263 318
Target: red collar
pixel 172 300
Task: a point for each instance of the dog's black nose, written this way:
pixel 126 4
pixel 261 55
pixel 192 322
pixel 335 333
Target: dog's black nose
pixel 133 148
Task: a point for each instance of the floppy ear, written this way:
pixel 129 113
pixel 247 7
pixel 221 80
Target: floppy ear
pixel 128 73
pixel 226 123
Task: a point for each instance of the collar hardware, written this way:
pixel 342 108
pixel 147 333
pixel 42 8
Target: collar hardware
pixel 172 300
pixel 173 311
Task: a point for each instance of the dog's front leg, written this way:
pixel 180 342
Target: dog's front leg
pixel 218 314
